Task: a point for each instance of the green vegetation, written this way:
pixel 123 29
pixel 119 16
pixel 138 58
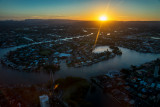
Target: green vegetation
pixel 45 52
pixel 75 90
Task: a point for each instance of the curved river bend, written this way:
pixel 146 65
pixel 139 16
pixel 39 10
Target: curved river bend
pixel 129 57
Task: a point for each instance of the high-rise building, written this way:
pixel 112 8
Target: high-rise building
pixel 44 101
pixel 156 71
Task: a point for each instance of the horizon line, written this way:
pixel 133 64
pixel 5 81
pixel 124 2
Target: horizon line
pixel 85 20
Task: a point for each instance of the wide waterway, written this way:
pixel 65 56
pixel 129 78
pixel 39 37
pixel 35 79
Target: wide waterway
pixel 129 57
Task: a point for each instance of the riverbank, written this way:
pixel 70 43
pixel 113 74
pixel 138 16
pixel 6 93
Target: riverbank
pixel 136 86
pixel 129 57
pixel 47 56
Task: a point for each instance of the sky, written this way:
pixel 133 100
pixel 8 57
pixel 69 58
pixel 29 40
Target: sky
pixel 120 10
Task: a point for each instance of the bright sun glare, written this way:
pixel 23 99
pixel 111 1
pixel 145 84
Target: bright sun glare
pixel 103 18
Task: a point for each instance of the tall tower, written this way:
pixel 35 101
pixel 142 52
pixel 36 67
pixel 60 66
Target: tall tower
pixel 156 70
pixel 44 101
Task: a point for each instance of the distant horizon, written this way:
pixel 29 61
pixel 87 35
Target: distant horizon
pixel 86 20
pixel 85 10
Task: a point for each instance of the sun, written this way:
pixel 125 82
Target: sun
pixel 103 18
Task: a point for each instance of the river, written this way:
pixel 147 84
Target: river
pixel 129 57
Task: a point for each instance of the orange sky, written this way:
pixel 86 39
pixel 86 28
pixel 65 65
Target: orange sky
pixel 119 10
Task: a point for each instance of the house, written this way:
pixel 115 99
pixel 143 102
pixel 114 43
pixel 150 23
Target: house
pixel 113 74
pixel 158 86
pixel 64 55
